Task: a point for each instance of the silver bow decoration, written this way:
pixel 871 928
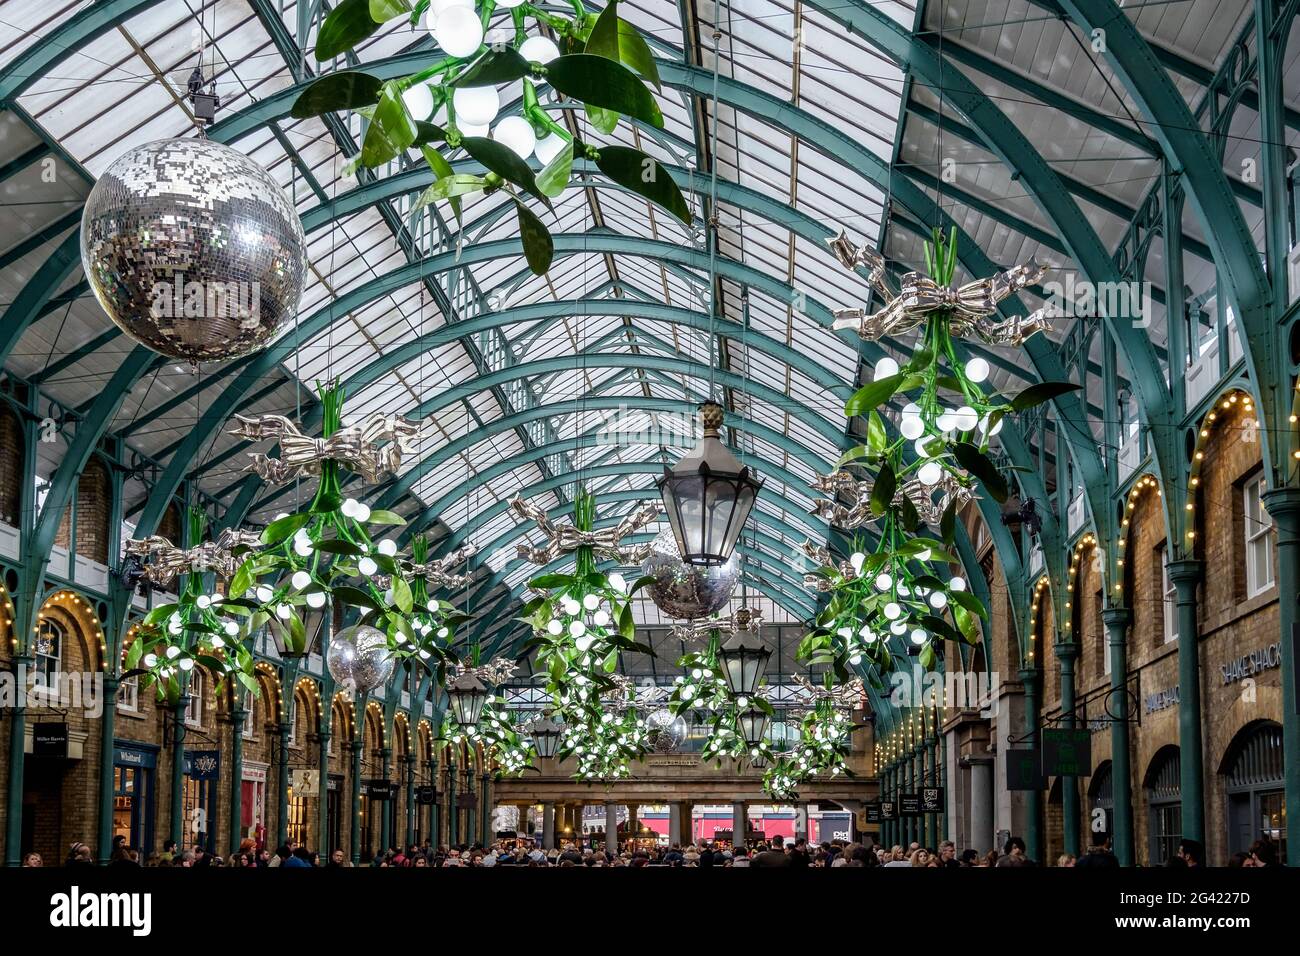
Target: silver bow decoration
pixel 821 556
pixel 699 631
pixel 371 449
pixel 623 695
pixel 437 572
pixel 859 513
pixel 849 694
pixel 972 305
pixel 164 560
pixel 562 539
pixel 494 673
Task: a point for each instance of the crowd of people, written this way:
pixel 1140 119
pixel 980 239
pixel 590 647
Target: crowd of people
pixel 521 851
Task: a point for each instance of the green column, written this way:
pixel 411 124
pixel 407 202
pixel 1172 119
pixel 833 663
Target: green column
pixel 386 808
pixel 471 815
pixel 1066 654
pixel 282 798
pixel 237 717
pixel 107 733
pixel 323 797
pixel 929 778
pixel 1030 678
pixel 17 756
pixel 358 746
pixel 485 808
pixel 453 823
pixel 1283 506
pixel 943 782
pixel 1186 575
pixel 1116 620
pixel 914 833
pixel 409 761
pixel 435 807
pixel 177 720
pixel 887 789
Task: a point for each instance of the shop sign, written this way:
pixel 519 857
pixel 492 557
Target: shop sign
pixel 909 804
pixel 873 811
pixel 203 764
pixel 888 810
pixel 1067 752
pixel 304 782
pixel 1248 665
pixel 426 796
pixel 50 740
pixel 1025 769
pixel 931 799
pixel 1161 700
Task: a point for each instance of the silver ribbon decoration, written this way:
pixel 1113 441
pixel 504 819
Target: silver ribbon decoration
pixel 859 513
pixel 821 556
pixel 623 695
pixel 972 305
pixel 848 694
pixel 437 572
pixel 563 539
pixel 164 560
pixel 371 449
pixel 699 631
pixel 494 673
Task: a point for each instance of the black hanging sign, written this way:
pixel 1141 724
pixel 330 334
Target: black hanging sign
pixel 50 740
pixel 1067 752
pixel 931 799
pixel 1025 769
pixel 426 796
pixel 888 810
pixel 909 804
pixel 873 811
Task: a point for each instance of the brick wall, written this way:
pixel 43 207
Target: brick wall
pixel 11 466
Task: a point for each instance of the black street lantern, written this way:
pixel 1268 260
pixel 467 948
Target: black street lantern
pixel 468 696
pixel 758 759
pixel 708 495
pixel 545 732
pixel 743 657
pixel 753 725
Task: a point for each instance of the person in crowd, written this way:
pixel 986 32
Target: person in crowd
pixel 741 857
pixel 32 860
pixel 1262 853
pixel 300 858
pixel 1239 859
pixel 969 857
pixel 948 854
pixel 707 855
pixel 897 857
pixel 774 855
pixel 1013 853
pixel 1192 852
pixel 337 859
pixel 799 856
pixel 79 856
pixel 168 852
pixel 920 857
pixel 1098 852
pixel 1066 859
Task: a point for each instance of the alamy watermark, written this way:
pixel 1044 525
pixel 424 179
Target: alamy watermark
pixel 211 299
pixel 66 690
pixel 954 689
pixel 626 427
pixel 1119 301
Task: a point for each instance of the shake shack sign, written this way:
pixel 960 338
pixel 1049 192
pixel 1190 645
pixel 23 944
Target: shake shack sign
pixel 1248 665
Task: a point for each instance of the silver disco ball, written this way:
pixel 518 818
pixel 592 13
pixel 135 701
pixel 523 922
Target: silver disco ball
pixel 193 250
pixel 358 659
pixel 665 731
pixel 684 590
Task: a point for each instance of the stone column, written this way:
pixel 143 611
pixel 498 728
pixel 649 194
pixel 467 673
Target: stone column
pixel 1283 506
pixel 611 827
pixel 739 819
pixel 1030 678
pixel 1117 619
pixel 1186 575
pixel 981 803
pixel 548 826
pixel 674 823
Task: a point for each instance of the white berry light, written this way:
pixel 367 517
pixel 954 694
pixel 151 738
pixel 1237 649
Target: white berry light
pixel 419 101
pixel 930 473
pixel 517 134
pixel 977 370
pixel 458 30
pixel 884 368
pixel 476 105
pixel 911 427
pixel 548 147
pixel 539 50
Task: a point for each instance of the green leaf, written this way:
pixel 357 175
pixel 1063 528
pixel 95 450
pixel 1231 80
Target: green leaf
pixel 427 133
pixel 381 11
pixel 392 116
pixel 911 520
pixel 458 184
pixel 242 580
pixel 555 177
pixel 605 121
pixel 926 657
pixel 877 437
pixel 494 68
pixel 377 148
pixel 1041 392
pixel 966 623
pixel 546 582
pixel 355 597
pixel 853 454
pixel 597 81
pixel 505 162
pixel 402 595
pixel 603 40
pixel 970 602
pixel 345 90
pixel 539 248
pixel 882 492
pixel 873 395
pixel 975 462
pixel 337 546
pixel 347 25
pixel 633 51
pixel 249 681
pixel 627 622
pixel 283 528
pixel 441 169
pixel 382 516
pixel 642 174
pixel 948 523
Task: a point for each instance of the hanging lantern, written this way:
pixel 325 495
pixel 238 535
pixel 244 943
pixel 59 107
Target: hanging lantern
pixel 753 725
pixel 708 495
pixel 468 696
pixel 758 760
pixel 743 657
pixel 545 732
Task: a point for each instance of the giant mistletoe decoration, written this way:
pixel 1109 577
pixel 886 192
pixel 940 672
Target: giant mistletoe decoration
pixel 601 62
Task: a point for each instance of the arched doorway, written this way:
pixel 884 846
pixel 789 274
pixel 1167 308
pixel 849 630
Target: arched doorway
pixel 1253 783
pixel 1164 806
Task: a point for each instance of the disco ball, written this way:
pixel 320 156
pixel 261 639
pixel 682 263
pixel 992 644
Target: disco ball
pixel 358 659
pixel 193 250
pixel 684 590
pixel 665 731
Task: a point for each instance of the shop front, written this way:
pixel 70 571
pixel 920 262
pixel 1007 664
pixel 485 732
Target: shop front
pixel 252 803
pixel 135 773
pixel 1256 808
pixel 199 797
